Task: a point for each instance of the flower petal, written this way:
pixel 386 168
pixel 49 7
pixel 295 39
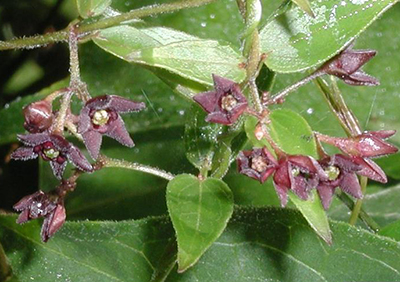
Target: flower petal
pixel 207 100
pixel 76 157
pixel 123 105
pixel 325 193
pixel 53 222
pixel 118 132
pixel 92 140
pixel 360 78
pixel 370 169
pixel 34 139
pixel 281 191
pixel 24 153
pixel 349 184
pixel 58 169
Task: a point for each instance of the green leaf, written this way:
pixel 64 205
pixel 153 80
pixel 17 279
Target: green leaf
pixel 305 6
pixel 5 268
pixel 177 52
pixel 200 138
pixel 258 245
pixel 199 211
pixel 297 42
pixel 382 206
pixel 392 230
pixel 293 135
pixel 90 8
pixel 315 214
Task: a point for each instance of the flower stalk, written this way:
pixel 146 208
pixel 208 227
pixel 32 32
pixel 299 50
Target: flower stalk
pixel 109 162
pixel 62 36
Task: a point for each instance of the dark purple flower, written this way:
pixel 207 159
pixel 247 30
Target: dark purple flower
pixel 347 64
pixel 258 163
pixel 299 174
pixel 225 104
pixel 367 145
pixel 370 169
pixel 40 204
pixel 341 171
pixel 38 116
pixel 100 115
pixel 53 148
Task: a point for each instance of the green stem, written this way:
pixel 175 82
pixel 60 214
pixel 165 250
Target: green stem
pixel 109 162
pixel 357 207
pixel 279 97
pixel 362 214
pixel 349 123
pixel 42 40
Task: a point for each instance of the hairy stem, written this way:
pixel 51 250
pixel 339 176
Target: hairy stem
pixel 109 162
pixel 279 97
pixel 42 40
pixel 362 214
pixel 251 48
pixel 62 113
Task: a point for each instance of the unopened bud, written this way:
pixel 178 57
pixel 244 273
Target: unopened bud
pixel 38 116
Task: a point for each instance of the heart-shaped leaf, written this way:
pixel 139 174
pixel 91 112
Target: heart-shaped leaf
pixel 199 210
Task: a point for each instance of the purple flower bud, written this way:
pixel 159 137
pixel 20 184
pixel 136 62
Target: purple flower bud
pixel 347 64
pixel 258 163
pixel 100 115
pixel 44 205
pixel 367 145
pixel 225 104
pixel 53 148
pixel 38 116
pixel 299 174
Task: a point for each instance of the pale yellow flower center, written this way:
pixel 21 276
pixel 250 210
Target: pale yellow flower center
pixel 258 164
pixel 332 172
pixel 100 117
pixel 228 103
pixel 51 153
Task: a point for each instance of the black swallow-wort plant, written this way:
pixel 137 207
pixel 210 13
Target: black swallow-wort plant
pixel 212 104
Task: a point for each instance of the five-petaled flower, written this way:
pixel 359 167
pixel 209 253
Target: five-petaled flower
pixel 100 115
pixel 53 148
pixel 258 163
pixel 225 104
pixel 347 66
pixel 341 171
pixel 366 145
pixel 44 205
pixel 298 173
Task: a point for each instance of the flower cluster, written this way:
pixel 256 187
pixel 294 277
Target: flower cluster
pixel 40 204
pixel 99 116
pixel 301 174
